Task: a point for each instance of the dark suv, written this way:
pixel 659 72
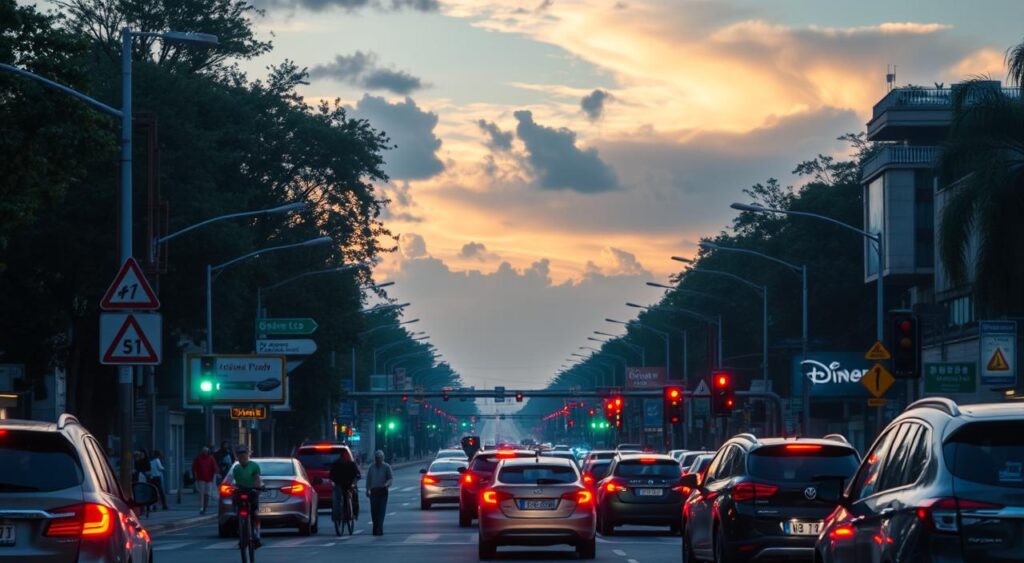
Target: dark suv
pixel 942 483
pixel 477 477
pixel 759 498
pixel 60 500
pixel 641 489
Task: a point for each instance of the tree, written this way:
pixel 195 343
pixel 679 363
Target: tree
pixel 982 160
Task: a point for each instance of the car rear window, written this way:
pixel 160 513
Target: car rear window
pixel 312 459
pixel 32 462
pixel 802 462
pixel 662 468
pixel 537 475
pixel 487 463
pixel 443 466
pixel 600 469
pixel 990 453
pixel 276 468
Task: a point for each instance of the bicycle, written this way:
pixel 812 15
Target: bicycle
pixel 342 516
pixel 243 508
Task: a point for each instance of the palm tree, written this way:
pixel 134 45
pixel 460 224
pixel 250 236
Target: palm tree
pixel 982 224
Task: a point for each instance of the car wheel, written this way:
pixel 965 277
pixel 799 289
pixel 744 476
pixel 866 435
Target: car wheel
pixel 607 527
pixel 487 550
pixel 465 520
pixel 688 555
pixel 424 505
pixel 587 549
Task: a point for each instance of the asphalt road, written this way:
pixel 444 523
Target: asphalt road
pixel 410 535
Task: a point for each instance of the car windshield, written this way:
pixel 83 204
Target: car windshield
pixel 660 468
pixel 537 475
pixel 32 462
pixel 312 459
pixel 446 466
pixel 276 468
pixel 801 463
pixel 990 453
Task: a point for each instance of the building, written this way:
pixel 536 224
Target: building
pixel 904 198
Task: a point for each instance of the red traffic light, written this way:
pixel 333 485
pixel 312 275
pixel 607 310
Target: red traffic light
pixel 609 405
pixel 618 401
pixel 905 325
pixel 674 393
pixel 721 380
pixel 405 398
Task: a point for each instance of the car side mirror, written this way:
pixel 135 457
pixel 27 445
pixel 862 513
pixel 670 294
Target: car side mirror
pixel 144 494
pixel 830 490
pixel 423 471
pixel 690 481
pixel 461 470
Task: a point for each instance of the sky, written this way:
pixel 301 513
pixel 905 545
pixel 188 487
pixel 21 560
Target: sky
pixel 553 154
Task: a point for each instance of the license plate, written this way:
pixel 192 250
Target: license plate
pixel 802 528
pixel 266 509
pixel 648 492
pixel 545 504
pixel 7 535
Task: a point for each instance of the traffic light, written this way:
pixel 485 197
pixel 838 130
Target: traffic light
pixel 673 408
pixel 208 384
pixel 723 394
pixel 405 398
pixel 609 411
pixel 519 396
pixel 445 393
pixel 906 346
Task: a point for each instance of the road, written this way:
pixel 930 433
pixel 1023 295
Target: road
pixel 410 535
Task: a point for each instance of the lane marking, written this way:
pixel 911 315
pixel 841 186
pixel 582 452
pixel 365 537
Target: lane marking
pixel 167 546
pixel 391 513
pixel 632 561
pixel 288 543
pixel 619 552
pixel 223 545
pixel 422 538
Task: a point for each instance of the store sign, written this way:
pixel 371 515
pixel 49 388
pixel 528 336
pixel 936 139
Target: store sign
pixel 835 374
pixel 945 378
pixel 645 378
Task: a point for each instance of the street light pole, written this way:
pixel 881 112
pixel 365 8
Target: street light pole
pixel 624 341
pixel 661 333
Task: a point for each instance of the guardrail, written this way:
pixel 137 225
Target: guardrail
pixel 925 98
pixel 899 154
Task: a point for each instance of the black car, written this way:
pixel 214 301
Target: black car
pixel 642 489
pixel 758 500
pixel 943 482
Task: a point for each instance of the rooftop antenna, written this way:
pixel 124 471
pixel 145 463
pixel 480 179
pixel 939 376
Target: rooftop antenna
pixel 890 76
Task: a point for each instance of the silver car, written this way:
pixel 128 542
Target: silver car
pixel 289 501
pixel 440 482
pixel 60 500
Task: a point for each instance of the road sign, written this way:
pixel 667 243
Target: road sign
pixel 878 352
pixel 129 339
pixel 130 291
pixel 378 382
pixel 499 394
pixel 702 389
pixel 238 378
pixel 998 357
pixel 950 377
pixel 286 326
pixel 248 413
pixel 878 380
pixel 877 402
pixel 287 347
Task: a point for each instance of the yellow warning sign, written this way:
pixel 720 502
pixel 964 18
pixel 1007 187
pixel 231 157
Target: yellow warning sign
pixel 998 362
pixel 878 380
pixel 878 352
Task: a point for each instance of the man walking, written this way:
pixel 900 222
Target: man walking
pixel 378 480
pixel 204 469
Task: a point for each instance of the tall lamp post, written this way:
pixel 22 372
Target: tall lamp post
pixel 262 290
pixel 661 333
pixel 624 341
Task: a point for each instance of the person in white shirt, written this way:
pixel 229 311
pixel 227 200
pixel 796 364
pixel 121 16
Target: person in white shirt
pixel 156 475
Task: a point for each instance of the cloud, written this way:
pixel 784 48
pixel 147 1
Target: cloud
pixel 411 130
pixel 412 246
pixel 558 162
pixel 360 69
pixel 616 262
pixel 593 104
pixel 477 251
pixel 497 139
pixel 351 5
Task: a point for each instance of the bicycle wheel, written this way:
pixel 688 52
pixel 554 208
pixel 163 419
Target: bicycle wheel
pixel 244 538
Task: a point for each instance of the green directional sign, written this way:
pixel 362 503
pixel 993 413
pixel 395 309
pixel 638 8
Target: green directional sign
pixel 285 326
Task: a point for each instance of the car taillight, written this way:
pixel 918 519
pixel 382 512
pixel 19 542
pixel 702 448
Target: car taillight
pixel 841 532
pixel 581 498
pixel 613 487
pixel 682 489
pixel 467 478
pixel 428 480
pixel 295 489
pixel 941 514
pixel 749 491
pixel 87 520
pixel 802 447
pixel 226 490
pixel 588 480
pixel 492 498
pixel 506 454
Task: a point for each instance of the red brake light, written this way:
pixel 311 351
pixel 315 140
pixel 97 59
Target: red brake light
pixel 841 532
pixel 588 479
pixel 85 521
pixel 295 489
pixel 226 490
pixel 613 487
pixel 646 460
pixel 323 447
pixel 490 497
pixel 802 447
pixel 941 514
pixel 428 480
pixel 580 497
pixel 749 491
pixel 506 454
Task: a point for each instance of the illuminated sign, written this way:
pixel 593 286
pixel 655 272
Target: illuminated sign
pixel 248 413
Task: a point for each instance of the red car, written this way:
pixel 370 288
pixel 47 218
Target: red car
pixel 478 476
pixel 316 459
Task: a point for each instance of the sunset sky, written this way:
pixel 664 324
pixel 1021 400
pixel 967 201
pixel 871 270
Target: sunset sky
pixel 553 154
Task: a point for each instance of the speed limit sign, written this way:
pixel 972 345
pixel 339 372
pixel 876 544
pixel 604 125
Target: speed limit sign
pixel 130 339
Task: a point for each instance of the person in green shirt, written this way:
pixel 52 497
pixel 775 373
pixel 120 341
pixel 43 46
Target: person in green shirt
pixel 246 474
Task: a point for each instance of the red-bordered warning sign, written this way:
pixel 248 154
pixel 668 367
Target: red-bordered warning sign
pixel 130 290
pixel 130 338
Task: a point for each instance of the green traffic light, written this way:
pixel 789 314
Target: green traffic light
pixel 206 386
pixel 380 426
pixel 391 425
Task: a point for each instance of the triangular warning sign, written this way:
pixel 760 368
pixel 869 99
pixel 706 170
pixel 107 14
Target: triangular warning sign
pixel 998 362
pixel 130 345
pixel 130 290
pixel 702 388
pixel 878 352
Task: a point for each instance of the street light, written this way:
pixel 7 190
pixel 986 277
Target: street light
pixel 297 206
pixel 625 362
pixel 595 358
pixel 663 334
pixel 260 291
pixel 623 341
pixel 687 291
pixel 873 237
pixel 715 320
pixel 762 289
pixel 800 271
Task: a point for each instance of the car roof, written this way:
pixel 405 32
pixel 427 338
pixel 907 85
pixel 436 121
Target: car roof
pixel 992 410
pixel 766 442
pixel 518 452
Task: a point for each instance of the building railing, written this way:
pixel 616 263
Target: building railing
pixel 907 155
pixel 925 98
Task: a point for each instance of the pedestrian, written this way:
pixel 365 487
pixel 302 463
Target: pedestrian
pixel 204 471
pixel 156 476
pixel 225 458
pixel 141 473
pixel 378 480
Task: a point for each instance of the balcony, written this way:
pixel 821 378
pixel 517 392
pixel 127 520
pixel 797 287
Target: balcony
pixel 900 156
pixel 917 114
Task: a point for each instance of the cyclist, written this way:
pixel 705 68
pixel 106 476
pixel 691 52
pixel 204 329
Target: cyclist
pixel 344 474
pixel 247 476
